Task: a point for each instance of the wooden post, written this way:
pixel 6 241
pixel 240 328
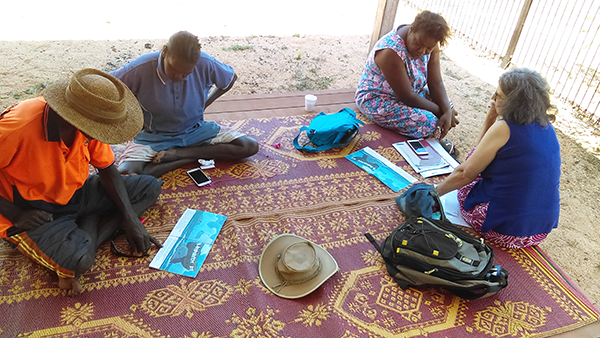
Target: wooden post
pixel 516 34
pixel 384 20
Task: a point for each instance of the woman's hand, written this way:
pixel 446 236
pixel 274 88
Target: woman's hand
pixel 455 121
pixel 492 113
pixel 446 122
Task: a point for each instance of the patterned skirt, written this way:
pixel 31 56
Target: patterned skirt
pixel 477 214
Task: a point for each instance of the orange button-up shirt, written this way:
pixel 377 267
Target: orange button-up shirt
pixel 37 163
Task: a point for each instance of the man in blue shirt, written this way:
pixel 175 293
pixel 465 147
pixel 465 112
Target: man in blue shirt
pixel 173 87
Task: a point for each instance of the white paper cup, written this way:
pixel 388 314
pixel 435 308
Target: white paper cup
pixel 309 102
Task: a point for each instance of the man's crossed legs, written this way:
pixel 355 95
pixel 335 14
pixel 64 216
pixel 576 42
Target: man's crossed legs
pixel 68 244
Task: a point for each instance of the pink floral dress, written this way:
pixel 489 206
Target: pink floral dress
pixel 377 101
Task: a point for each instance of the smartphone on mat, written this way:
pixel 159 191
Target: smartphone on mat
pixel 417 147
pixel 199 177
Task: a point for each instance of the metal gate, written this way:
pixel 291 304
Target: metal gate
pixel 555 37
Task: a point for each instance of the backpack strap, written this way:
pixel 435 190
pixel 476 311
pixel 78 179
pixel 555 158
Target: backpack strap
pixel 296 144
pixel 389 266
pixel 375 244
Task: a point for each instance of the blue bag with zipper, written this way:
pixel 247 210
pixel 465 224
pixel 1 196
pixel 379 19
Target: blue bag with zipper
pixel 328 131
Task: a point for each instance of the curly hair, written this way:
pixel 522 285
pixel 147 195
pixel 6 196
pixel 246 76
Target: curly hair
pixel 433 25
pixel 183 45
pixel 527 98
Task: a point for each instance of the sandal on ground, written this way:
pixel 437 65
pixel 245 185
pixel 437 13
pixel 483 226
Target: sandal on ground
pixel 449 146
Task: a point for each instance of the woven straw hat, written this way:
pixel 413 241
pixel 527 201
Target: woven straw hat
pixel 98 104
pixel 292 267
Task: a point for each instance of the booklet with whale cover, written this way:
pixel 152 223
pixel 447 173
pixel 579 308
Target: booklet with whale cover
pixel 382 168
pixel 188 244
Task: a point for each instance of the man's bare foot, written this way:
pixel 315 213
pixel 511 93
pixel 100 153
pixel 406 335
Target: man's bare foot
pixel 165 156
pixel 71 285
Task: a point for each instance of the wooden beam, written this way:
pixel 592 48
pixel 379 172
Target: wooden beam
pixel 238 107
pixel 516 34
pixel 384 20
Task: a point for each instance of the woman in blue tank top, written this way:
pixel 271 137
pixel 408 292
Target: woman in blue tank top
pixel 509 184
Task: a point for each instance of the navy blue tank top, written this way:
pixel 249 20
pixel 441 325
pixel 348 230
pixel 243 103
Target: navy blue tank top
pixel 521 183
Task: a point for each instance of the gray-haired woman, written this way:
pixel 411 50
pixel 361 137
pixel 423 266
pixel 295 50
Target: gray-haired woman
pixel 509 185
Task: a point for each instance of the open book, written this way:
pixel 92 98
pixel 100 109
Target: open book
pixel 382 168
pixel 436 162
pixel 188 244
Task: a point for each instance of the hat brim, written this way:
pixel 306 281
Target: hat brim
pixel 266 267
pixel 109 133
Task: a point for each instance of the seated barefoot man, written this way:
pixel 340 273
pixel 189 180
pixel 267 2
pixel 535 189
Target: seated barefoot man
pixel 50 209
pixel 173 87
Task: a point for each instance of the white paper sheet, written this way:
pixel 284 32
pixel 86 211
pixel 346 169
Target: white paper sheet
pixel 428 170
pixel 452 208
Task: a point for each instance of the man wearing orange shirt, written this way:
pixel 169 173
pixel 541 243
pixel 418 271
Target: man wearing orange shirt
pixel 50 209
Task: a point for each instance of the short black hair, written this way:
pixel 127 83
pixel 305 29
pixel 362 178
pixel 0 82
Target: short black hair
pixel 183 45
pixel 433 25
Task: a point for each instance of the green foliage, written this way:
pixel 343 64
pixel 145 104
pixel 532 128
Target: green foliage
pixel 312 81
pixel 38 87
pixel 236 48
pixel 296 35
pixel 30 92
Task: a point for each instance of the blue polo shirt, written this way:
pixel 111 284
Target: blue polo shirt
pixel 169 107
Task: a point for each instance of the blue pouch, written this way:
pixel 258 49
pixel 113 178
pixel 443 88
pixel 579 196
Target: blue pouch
pixel 421 200
pixel 329 131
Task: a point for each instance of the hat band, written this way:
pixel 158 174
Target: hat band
pixel 286 281
pixel 90 111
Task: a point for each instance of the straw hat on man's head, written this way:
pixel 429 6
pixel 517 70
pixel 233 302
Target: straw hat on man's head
pixel 292 267
pixel 98 104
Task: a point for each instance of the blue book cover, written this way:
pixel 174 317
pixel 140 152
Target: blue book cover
pixel 188 244
pixel 382 168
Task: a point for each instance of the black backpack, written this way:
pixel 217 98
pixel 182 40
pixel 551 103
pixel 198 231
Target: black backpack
pixel 424 251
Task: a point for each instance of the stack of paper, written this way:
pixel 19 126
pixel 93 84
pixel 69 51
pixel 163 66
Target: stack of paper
pixel 437 162
pixel 452 208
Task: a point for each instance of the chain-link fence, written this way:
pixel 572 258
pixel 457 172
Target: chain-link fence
pixel 555 37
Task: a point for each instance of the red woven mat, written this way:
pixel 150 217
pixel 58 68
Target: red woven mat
pixel 323 197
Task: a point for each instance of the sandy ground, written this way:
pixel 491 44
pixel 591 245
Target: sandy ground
pixel 267 64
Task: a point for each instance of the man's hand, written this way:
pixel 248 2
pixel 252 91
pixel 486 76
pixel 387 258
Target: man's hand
pixel 137 235
pixel 31 219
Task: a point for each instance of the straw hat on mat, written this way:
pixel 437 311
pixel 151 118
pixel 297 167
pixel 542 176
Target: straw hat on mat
pixel 98 104
pixel 292 267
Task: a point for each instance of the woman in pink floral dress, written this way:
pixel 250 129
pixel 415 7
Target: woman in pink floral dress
pixel 401 87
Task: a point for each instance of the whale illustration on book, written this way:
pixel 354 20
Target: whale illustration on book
pixel 189 243
pixel 187 255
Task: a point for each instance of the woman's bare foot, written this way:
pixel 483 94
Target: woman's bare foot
pixel 165 156
pixel 71 285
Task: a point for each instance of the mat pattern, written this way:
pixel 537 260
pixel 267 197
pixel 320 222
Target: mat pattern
pixel 323 197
